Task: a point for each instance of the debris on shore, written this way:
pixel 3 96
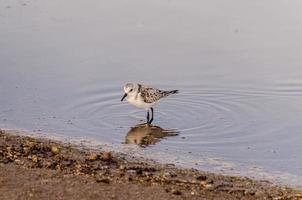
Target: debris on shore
pixel 115 171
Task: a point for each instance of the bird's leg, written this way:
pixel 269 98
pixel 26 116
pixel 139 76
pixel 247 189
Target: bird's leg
pixel 147 116
pixel 152 114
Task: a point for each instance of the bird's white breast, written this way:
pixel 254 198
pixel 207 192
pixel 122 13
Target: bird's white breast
pixel 139 102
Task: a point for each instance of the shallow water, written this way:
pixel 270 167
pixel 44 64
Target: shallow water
pixel 238 66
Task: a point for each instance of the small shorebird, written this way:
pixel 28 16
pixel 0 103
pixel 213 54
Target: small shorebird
pixel 142 96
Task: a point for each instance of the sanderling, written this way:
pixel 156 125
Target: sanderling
pixel 142 96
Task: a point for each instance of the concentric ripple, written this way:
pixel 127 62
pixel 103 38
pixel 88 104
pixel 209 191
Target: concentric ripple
pixel 247 127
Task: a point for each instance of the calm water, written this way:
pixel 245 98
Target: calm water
pixel 237 64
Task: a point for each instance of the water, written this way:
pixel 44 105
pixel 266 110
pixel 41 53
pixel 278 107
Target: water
pixel 238 66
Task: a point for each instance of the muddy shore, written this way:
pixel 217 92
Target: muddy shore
pixel 32 168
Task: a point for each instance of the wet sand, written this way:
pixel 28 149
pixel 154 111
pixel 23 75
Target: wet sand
pixel 32 168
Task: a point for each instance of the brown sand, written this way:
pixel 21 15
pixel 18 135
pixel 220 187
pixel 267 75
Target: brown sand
pixel 37 169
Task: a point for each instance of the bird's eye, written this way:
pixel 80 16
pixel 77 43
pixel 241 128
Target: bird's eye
pixel 131 90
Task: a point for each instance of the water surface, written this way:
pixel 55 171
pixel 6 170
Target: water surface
pixel 238 66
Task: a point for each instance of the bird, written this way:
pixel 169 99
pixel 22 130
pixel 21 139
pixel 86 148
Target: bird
pixel 144 97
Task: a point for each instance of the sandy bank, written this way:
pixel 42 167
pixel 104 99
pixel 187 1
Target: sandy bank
pixel 33 168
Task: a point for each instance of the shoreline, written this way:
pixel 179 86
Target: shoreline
pixel 34 168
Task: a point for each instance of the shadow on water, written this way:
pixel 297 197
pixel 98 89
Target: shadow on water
pixel 145 134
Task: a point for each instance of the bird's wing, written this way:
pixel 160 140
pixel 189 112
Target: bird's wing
pixel 151 95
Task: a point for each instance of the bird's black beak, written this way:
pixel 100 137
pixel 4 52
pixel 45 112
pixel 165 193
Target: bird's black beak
pixel 124 96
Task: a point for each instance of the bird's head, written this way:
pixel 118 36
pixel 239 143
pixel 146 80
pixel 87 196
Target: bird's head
pixel 130 90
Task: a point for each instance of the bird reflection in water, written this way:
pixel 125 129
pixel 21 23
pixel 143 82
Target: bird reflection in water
pixel 145 134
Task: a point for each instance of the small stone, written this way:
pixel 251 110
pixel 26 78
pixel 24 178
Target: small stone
pixel 26 150
pixel 34 158
pixel 298 195
pixel 58 168
pixel 147 173
pixel 106 156
pixel 139 171
pixel 193 181
pixel 55 150
pixel 166 175
pixel 201 178
pixel 122 167
pixel 131 171
pixel 205 184
pixel 278 198
pixel 170 165
pixel 103 180
pixel 249 192
pixel 176 192
pixel 47 164
pixel 29 144
pixel 92 157
pixel 259 193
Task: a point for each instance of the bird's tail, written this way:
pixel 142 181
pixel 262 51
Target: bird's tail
pixel 173 92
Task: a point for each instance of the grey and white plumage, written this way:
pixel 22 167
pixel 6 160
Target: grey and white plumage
pixel 144 97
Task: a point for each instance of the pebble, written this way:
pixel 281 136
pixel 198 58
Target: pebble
pixel 298 195
pixel 131 171
pixel 278 198
pixel 102 179
pixel 34 158
pixel 106 156
pixel 250 192
pixel 122 167
pixel 176 192
pixel 29 144
pixel 205 184
pixel 139 171
pixel 259 194
pixel 201 178
pixel 167 174
pixel 55 150
pixel 92 157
